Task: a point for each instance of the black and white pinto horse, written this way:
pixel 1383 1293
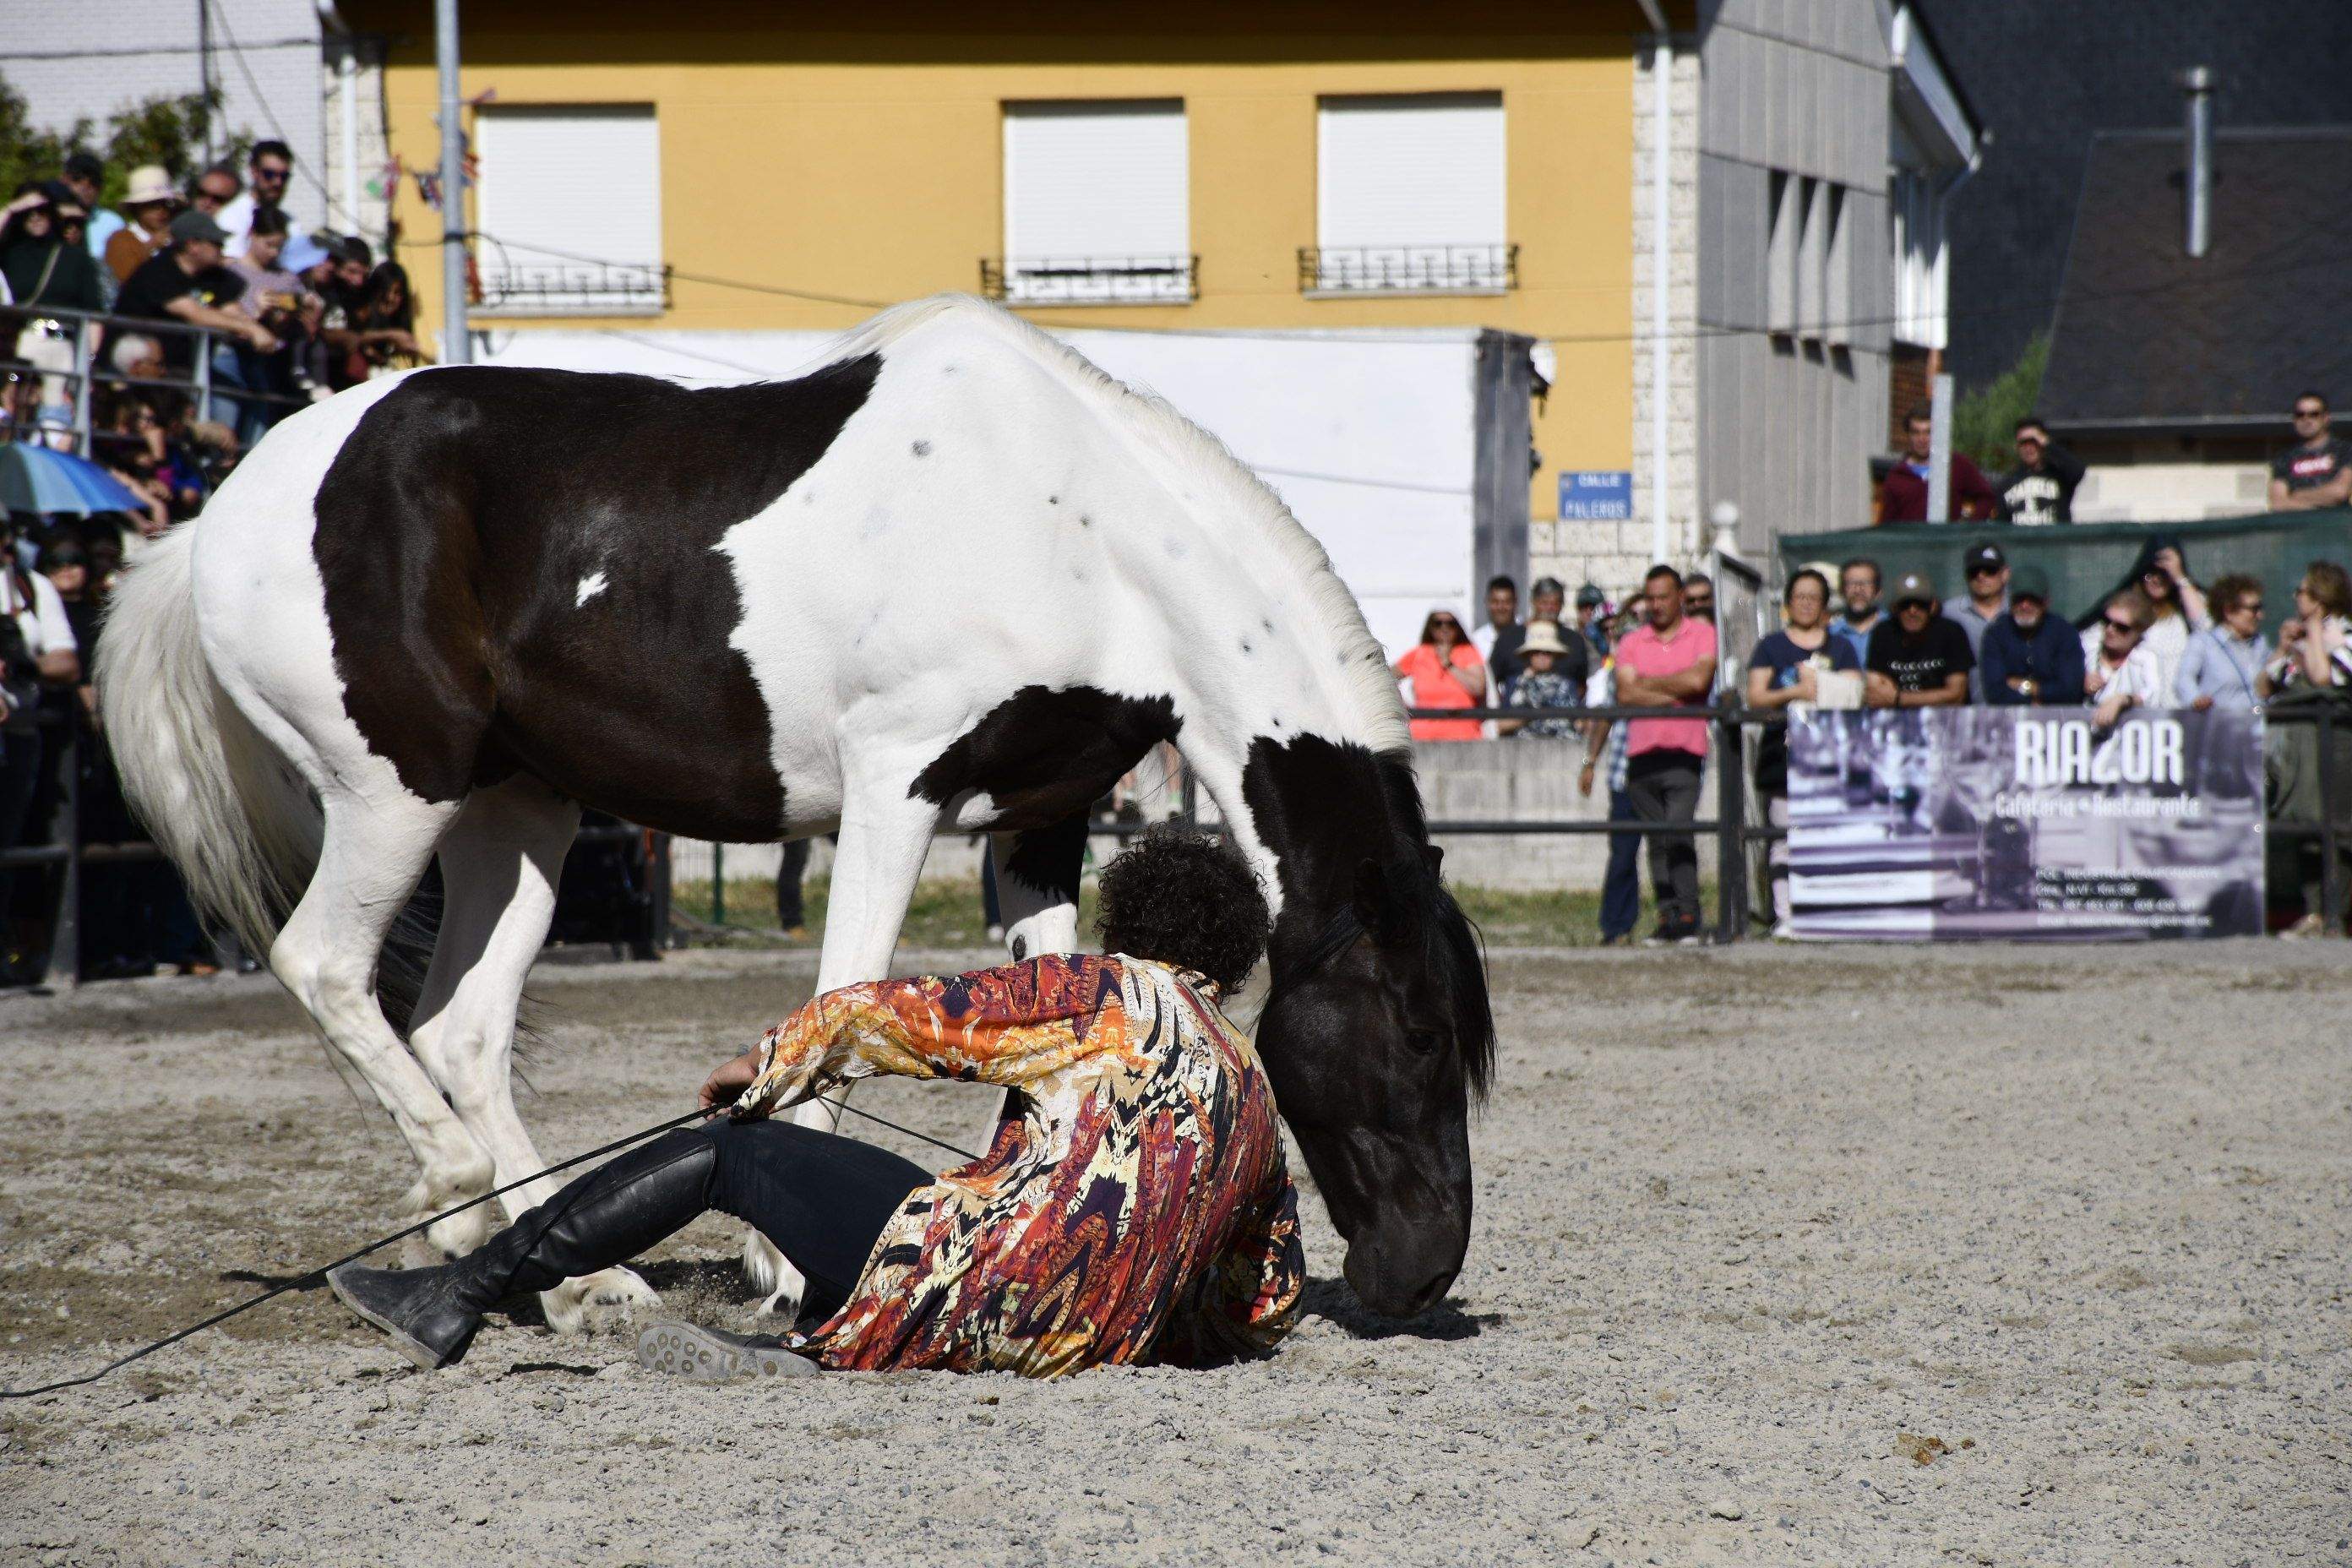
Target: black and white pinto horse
pixel 953 575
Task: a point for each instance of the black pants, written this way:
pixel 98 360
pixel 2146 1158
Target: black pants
pixel 822 1198
pixel 1663 788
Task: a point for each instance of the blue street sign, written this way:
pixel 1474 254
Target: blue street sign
pixel 1596 497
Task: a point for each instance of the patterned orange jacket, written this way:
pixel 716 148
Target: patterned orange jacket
pixel 1140 1208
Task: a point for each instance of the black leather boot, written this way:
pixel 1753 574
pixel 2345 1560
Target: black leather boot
pixel 607 1217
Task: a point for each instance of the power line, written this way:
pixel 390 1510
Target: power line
pixel 253 85
pixel 1812 331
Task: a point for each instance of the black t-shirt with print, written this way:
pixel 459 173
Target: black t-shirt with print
pixel 147 295
pixel 2042 495
pixel 1923 663
pixel 2304 468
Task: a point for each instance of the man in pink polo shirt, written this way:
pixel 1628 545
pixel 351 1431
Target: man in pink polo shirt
pixel 1669 663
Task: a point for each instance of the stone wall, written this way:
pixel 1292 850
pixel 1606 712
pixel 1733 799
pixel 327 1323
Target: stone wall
pixel 1615 554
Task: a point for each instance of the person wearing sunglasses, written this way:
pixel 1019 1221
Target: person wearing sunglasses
pixel 2029 656
pixel 2223 664
pixel 1443 670
pixel 2119 672
pixel 1986 571
pixel 2316 471
pixel 1919 658
pixel 267 174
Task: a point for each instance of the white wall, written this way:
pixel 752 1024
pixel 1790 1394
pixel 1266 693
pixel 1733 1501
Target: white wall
pixel 87 61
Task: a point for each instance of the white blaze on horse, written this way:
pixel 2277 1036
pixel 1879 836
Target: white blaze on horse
pixel 955 575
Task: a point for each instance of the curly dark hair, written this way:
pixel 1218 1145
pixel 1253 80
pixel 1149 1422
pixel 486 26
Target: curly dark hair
pixel 1178 897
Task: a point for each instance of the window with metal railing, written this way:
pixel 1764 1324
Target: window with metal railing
pixel 1408 269
pixel 1091 279
pixel 514 283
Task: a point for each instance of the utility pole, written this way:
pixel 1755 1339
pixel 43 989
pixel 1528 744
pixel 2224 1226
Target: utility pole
pixel 456 345
pixel 205 73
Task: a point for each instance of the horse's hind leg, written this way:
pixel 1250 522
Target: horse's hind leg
pixel 372 854
pixel 500 863
pixel 1037 886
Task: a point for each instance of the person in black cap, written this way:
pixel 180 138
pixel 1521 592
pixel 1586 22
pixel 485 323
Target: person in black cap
pixel 2030 657
pixel 187 283
pixel 1918 660
pixel 1590 624
pixel 1987 600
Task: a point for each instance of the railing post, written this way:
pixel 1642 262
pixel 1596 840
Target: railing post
pixel 658 880
pixel 2331 880
pixel 204 358
pixel 1731 815
pixel 81 385
pixel 718 884
pixel 65 828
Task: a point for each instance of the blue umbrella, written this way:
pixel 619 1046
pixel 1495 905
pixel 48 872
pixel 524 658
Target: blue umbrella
pixel 38 479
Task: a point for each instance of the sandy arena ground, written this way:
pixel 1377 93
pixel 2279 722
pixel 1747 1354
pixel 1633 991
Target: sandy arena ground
pixel 1843 1257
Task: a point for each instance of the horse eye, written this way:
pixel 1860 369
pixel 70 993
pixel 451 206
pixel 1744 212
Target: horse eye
pixel 1428 1042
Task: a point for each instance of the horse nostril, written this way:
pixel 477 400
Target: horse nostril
pixel 1431 1293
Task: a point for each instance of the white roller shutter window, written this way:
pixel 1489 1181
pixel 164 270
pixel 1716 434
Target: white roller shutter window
pixel 1412 176
pixel 1098 203
pixel 559 185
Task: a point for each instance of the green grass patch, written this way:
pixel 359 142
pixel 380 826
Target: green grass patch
pixel 946 912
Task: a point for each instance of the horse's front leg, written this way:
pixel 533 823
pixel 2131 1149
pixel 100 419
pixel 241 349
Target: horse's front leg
pixel 885 836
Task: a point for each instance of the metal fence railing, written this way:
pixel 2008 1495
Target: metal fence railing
pixel 85 335
pixel 649 926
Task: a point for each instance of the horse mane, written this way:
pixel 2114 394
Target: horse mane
pixel 1453 949
pixel 1366 689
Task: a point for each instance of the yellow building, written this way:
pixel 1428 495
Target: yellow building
pixel 788 166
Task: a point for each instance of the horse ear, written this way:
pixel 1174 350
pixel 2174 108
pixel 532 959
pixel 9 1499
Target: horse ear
pixel 1434 858
pixel 1371 896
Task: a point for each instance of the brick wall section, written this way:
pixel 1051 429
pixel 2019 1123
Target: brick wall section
pixel 67 62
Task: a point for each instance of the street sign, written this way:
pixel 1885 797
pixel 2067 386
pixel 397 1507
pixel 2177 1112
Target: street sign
pixel 1596 495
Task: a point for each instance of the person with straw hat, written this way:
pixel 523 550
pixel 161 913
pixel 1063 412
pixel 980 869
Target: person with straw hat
pixel 1543 684
pixel 150 203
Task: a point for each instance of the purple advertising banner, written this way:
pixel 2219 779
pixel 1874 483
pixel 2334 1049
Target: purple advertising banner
pixel 2029 824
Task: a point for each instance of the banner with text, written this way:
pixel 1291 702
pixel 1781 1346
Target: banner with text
pixel 2024 822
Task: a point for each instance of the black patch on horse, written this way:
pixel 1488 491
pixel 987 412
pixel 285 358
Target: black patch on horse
pixel 1346 827
pixel 1044 755
pixel 454 528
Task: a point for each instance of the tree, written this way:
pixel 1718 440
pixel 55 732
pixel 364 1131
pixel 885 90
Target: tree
pixel 1984 423
pixel 168 129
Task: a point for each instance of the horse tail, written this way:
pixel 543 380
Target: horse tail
pixel 221 801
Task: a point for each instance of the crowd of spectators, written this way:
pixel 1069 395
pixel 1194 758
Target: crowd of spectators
pixel 2160 638
pixel 286 318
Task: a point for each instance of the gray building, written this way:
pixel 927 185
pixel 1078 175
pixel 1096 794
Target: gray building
pixel 1811 154
pixel 277 65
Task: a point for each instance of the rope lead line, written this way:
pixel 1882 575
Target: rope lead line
pixel 302 1280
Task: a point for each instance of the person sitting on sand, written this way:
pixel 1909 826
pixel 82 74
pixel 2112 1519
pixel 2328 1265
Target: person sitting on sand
pixel 1137 1206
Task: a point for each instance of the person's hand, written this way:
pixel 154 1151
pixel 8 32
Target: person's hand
pixel 262 338
pixel 1807 688
pixel 728 1079
pixel 2168 561
pixel 1584 779
pixel 2201 704
pixel 2111 711
pixel 2290 632
pixel 1877 691
pixel 2094 679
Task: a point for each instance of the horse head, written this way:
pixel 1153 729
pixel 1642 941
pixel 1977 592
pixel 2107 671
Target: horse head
pixel 1377 1035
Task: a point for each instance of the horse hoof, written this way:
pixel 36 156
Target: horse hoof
pixel 771 1271
pixel 603 1300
